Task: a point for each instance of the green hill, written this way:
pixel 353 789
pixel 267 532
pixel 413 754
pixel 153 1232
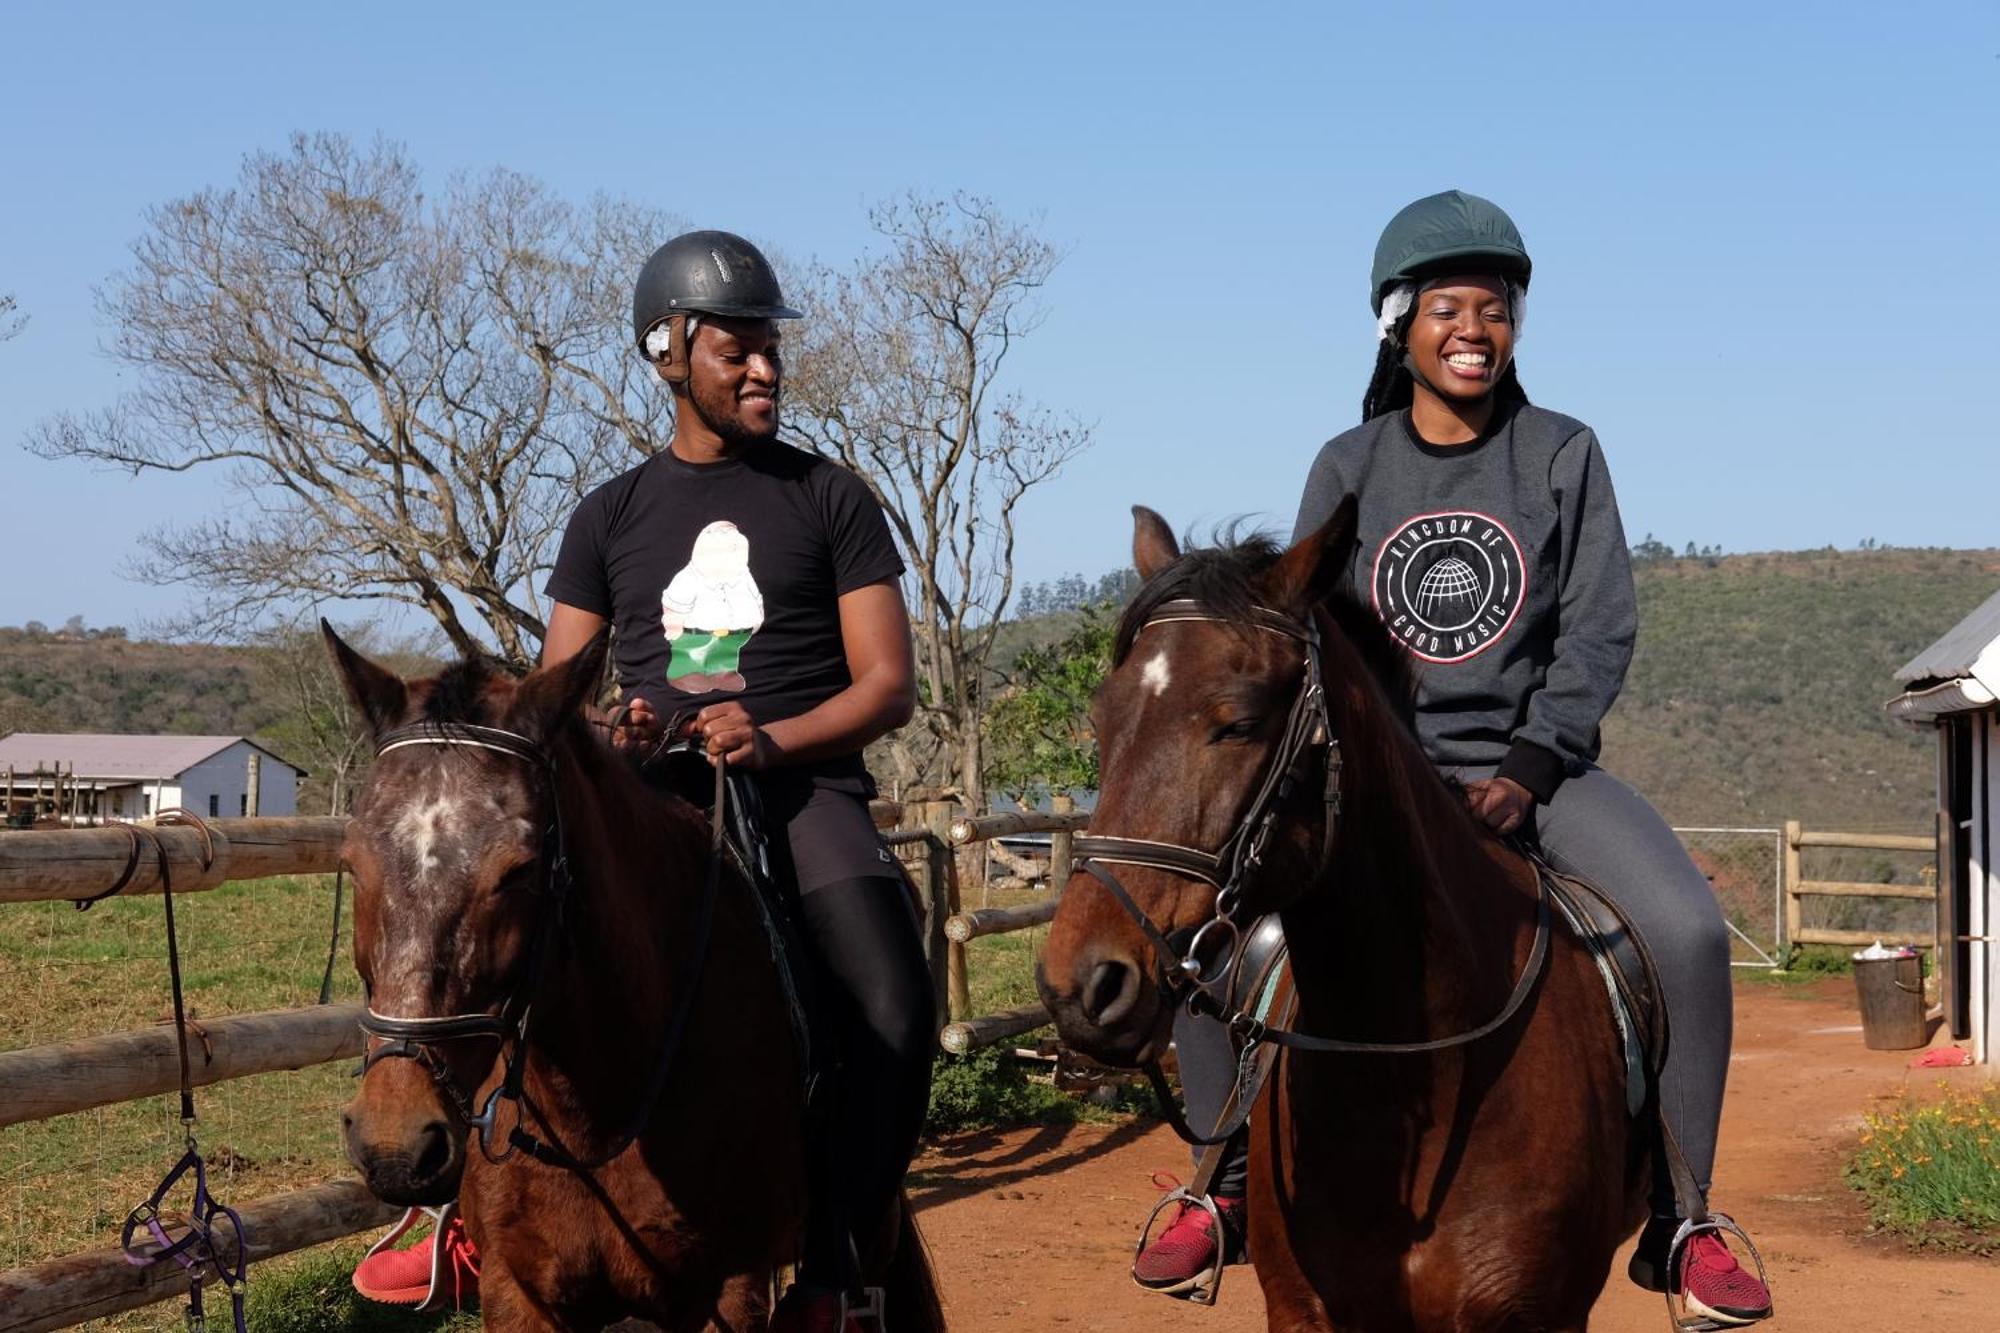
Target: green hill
pixel 1755 694
pixel 1756 691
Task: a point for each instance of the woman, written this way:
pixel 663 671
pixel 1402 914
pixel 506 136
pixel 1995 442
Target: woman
pixel 1490 544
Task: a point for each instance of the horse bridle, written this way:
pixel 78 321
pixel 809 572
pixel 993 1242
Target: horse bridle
pixel 1206 989
pixel 414 1038
pixel 1307 728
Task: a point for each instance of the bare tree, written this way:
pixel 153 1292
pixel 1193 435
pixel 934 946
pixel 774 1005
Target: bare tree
pixel 407 396
pixel 317 727
pixel 11 320
pixel 899 377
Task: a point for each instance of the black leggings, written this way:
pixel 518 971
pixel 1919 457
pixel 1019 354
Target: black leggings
pixel 873 991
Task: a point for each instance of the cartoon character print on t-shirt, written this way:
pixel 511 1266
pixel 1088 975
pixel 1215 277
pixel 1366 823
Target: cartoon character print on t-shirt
pixel 709 611
pixel 1449 585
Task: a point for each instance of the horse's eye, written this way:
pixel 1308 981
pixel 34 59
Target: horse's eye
pixel 1242 729
pixel 522 878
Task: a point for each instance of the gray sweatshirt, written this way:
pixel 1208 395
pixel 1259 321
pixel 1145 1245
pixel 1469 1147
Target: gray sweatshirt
pixel 1501 566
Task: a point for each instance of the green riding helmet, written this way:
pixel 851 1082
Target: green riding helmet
pixel 1448 232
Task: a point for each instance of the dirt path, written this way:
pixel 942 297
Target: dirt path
pixel 1032 1230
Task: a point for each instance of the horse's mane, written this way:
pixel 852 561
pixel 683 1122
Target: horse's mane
pixel 1223 578
pixel 459 692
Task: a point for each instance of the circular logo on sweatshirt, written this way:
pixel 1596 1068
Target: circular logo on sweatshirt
pixel 1448 585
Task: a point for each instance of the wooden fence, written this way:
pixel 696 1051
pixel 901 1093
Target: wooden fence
pixel 1798 888
pixel 64 1077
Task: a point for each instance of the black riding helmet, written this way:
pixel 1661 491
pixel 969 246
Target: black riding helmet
pixel 1449 232
pixel 703 273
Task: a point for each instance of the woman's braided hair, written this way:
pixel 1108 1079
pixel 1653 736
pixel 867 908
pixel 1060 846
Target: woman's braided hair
pixel 1392 388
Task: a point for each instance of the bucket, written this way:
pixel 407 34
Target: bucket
pixel 1892 1002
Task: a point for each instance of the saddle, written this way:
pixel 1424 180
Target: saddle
pixel 1628 971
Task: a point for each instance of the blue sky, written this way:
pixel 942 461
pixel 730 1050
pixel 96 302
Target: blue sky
pixel 1764 236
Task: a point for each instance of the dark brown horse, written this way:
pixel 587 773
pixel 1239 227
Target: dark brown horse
pixel 532 922
pixel 1483 1186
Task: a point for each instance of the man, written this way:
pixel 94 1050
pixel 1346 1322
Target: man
pixel 753 591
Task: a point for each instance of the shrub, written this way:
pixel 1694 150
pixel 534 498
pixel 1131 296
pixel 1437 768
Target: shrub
pixel 1932 1174
pixel 987 1090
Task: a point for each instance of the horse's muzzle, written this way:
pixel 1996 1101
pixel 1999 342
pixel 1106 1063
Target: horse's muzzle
pixel 1108 1008
pixel 408 1147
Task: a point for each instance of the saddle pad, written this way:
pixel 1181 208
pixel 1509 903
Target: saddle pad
pixel 1628 973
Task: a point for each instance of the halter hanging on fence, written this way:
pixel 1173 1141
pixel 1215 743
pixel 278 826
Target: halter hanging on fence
pixel 198 1250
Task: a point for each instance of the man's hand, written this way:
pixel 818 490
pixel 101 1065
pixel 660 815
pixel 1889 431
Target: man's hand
pixel 638 728
pixel 1502 804
pixel 730 735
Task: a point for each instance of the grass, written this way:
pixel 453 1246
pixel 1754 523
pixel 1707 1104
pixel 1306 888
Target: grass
pixel 66 1183
pixel 1931 1174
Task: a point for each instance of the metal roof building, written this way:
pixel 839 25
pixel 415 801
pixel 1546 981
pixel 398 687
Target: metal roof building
pixel 1953 686
pixel 89 778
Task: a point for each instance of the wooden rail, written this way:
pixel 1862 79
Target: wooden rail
pixel 962 1038
pixel 1798 888
pixel 999 920
pixel 1010 823
pixel 69 1290
pixel 52 864
pixel 58 1079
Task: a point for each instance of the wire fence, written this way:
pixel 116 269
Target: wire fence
pixel 1746 868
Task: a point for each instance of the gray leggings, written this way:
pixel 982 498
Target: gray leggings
pixel 1598 829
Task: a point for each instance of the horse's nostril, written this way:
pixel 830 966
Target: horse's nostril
pixel 433 1152
pixel 1109 994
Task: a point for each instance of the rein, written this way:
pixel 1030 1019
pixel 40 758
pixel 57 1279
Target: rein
pixel 411 1038
pixel 199 1248
pixel 1203 987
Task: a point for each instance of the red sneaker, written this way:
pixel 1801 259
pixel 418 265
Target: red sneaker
pixel 1188 1255
pixel 1716 1287
pixel 813 1310
pixel 440 1271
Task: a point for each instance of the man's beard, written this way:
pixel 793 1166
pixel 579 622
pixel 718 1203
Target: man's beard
pixel 727 426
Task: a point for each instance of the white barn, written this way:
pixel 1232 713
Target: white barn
pixel 1953 686
pixel 132 777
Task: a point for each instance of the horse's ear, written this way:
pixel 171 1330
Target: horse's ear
pixel 1306 575
pixel 1153 544
pixel 551 695
pixel 378 694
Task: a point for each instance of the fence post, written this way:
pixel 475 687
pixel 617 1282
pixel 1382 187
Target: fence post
pixel 1062 803
pixel 927 808
pixel 1794 910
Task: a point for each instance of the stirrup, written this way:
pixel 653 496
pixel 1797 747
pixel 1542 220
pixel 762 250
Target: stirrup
pixel 871 1310
pixel 1689 1321
pixel 1204 1288
pixel 435 1299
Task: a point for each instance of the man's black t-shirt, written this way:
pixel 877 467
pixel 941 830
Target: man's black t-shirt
pixel 723 579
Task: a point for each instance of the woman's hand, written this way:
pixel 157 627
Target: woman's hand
pixel 730 735
pixel 1502 804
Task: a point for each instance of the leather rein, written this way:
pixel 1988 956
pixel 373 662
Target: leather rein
pixel 413 1038
pixel 1203 981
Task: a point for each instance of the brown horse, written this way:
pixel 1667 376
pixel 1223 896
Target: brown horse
pixel 1483 1186
pixel 531 923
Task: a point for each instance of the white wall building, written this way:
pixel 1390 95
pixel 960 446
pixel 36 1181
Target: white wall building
pixel 1954 687
pixel 132 777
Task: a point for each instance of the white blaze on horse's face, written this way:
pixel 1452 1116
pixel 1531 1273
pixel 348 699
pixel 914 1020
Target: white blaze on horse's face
pixel 1155 675
pixel 428 829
